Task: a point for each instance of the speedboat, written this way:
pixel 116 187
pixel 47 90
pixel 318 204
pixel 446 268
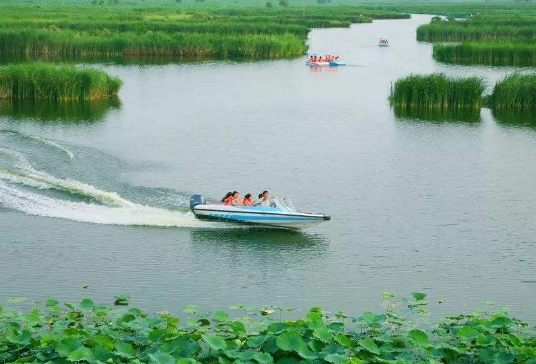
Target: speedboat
pixel 280 214
pixel 383 42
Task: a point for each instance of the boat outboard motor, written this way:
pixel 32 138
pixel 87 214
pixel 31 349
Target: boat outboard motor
pixel 196 200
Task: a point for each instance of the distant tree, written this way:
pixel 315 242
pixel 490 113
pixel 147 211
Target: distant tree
pixel 323 1
pixel 178 1
pixel 269 4
pixel 284 3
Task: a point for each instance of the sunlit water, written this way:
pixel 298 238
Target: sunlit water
pixel 446 208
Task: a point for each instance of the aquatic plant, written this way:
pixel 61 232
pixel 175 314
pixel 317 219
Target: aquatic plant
pixel 437 91
pixel 200 31
pixel 496 53
pixel 516 91
pixel 93 333
pixel 42 81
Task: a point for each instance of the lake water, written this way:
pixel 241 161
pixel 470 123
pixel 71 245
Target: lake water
pixel 441 207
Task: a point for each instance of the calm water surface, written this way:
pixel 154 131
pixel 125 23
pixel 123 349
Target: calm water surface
pixel 443 207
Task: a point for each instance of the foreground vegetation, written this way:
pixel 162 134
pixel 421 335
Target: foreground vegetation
pixel 92 333
pixel 437 91
pixel 56 83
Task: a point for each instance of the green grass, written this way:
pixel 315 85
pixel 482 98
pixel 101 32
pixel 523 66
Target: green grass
pixel 437 91
pixel 186 30
pixel 497 53
pixel 515 92
pixel 39 81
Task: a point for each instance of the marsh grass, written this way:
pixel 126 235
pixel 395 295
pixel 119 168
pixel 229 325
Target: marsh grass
pixel 437 91
pixel 515 92
pixel 42 81
pixel 496 53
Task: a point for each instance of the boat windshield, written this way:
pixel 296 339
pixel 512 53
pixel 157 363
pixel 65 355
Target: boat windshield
pixel 283 203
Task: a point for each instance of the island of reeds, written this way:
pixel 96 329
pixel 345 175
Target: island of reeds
pixel 41 81
pixel 437 91
pixel 88 332
pixel 495 40
pixel 184 29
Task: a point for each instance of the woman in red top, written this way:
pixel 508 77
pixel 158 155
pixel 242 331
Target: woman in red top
pixel 247 200
pixel 227 199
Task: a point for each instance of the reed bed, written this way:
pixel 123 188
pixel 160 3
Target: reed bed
pixel 515 92
pixel 467 31
pixel 437 91
pixel 214 30
pixel 500 53
pixel 183 45
pixel 42 81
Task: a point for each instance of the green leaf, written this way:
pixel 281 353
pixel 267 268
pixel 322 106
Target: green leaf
pixel 369 345
pixel 501 322
pixel 322 333
pixel 368 317
pixel 221 316
pixel 162 358
pixel 101 310
pixel 51 302
pixel 80 354
pixel 467 333
pixel 122 300
pixel 215 342
pixel 419 337
pixel 305 353
pixel 485 340
pixel 419 296
pixel 156 334
pixel 15 300
pixel 336 358
pixel 124 349
pixel 263 358
pixel 344 341
pixel 276 327
pixel 67 345
pixel 289 341
pixel 255 341
pixel 190 309
pixel 86 304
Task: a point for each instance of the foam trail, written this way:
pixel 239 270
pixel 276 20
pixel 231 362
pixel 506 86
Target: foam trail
pixel 42 140
pixel 35 204
pixel 33 178
pixel 53 144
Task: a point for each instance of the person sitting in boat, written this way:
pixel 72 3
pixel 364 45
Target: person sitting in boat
pixel 336 58
pixel 247 200
pixel 264 199
pixel 315 59
pixel 320 59
pixel 226 200
pixel 235 199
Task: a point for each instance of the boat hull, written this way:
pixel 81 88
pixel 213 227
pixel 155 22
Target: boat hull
pixel 317 64
pixel 336 64
pixel 259 215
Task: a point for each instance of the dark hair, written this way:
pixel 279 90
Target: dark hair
pixel 263 192
pixel 260 195
pixel 229 194
pixel 248 195
pixel 234 193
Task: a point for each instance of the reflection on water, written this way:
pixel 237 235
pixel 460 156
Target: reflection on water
pixel 326 69
pixel 515 118
pixel 264 238
pixel 63 112
pixel 424 114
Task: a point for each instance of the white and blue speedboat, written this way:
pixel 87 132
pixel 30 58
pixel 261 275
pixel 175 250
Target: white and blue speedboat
pixel 280 214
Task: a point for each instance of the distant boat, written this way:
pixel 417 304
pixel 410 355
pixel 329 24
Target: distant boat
pixel 383 42
pixel 333 62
